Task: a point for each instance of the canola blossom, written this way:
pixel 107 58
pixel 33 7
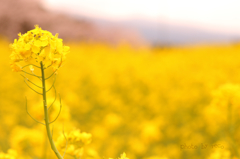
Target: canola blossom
pixel 11 154
pixel 40 47
pixel 37 46
pixel 75 140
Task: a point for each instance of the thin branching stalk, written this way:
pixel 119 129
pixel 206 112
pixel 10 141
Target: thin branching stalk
pixel 58 112
pixel 31 115
pixel 52 84
pixel 31 87
pixel 31 74
pixel 49 134
pixel 31 81
pixel 51 74
pixel 29 65
pixel 48 67
pixel 54 98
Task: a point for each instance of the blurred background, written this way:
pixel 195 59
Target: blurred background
pixel 144 22
pixel 155 79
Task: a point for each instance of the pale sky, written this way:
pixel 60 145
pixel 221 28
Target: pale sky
pixel 223 15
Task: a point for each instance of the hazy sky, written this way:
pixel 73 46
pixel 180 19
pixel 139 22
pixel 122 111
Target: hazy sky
pixel 214 14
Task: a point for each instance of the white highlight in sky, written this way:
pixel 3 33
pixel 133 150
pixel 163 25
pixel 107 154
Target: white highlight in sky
pixel 216 14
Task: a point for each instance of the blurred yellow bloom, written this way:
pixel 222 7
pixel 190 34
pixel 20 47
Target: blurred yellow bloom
pixel 11 154
pixel 71 149
pixel 15 67
pixel 123 156
pixel 76 141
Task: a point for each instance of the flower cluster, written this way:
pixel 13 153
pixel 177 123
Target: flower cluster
pixel 11 154
pixel 123 156
pixel 37 46
pixel 75 142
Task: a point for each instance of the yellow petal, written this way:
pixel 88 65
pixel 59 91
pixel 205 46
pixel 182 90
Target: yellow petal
pixel 42 54
pixel 16 67
pixel 44 37
pixel 38 43
pixel 44 43
pixel 27 46
pixel 47 50
pixel 35 49
pixel 66 48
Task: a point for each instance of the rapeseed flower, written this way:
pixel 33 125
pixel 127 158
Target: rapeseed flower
pixel 11 154
pixel 76 140
pixel 123 156
pixel 37 46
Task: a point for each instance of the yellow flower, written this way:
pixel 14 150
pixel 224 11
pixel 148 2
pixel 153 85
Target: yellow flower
pixel 15 67
pixel 123 156
pixel 37 46
pixel 11 154
pixel 86 137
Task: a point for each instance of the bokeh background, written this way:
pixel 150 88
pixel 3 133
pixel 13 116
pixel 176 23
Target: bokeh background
pixel 153 79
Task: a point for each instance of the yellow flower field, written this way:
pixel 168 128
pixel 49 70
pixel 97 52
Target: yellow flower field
pixel 150 103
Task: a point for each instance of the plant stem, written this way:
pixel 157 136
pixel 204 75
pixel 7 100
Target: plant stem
pixel 47 116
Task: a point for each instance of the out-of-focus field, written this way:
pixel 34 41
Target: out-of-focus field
pixel 150 103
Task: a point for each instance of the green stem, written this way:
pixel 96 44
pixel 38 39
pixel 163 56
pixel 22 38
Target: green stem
pixel 47 116
pixel 44 156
